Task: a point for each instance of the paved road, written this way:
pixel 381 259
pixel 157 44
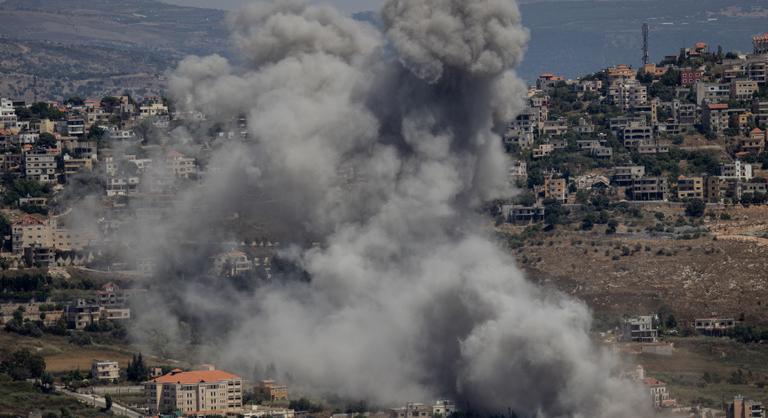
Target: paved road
pixel 99 402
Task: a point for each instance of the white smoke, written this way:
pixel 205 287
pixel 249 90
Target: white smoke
pixel 379 147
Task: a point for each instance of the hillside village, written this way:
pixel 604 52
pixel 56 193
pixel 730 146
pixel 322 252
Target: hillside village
pixel 681 142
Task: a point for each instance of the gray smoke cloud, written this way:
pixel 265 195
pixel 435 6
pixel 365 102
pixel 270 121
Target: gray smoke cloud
pixel 368 154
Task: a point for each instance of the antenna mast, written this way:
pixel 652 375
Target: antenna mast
pixel 645 44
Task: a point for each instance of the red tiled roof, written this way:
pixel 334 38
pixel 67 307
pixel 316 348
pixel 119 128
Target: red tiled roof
pixel 30 220
pixel 717 106
pixel 195 376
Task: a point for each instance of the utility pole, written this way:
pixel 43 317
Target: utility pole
pixel 645 44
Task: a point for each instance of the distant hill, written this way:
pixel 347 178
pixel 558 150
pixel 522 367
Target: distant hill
pixel 56 48
pixel 124 23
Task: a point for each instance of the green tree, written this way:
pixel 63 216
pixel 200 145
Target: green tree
pixel 47 140
pixel 695 208
pixel 22 365
pixel 137 371
pixel 554 213
pixel 671 322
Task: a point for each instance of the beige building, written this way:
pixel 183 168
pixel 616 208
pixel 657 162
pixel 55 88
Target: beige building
pixel 627 94
pixel 743 89
pixel 104 370
pixel 272 391
pixel 195 393
pixel 620 71
pixel 180 166
pixel 754 143
pixel 33 311
pixel 555 189
pixel 690 187
pixel 73 165
pixel 658 393
pixel 44 232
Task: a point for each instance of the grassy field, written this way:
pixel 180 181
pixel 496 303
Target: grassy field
pixel 61 355
pixel 21 398
pixel 719 357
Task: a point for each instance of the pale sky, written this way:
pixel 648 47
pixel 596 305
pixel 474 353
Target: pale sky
pixel 346 5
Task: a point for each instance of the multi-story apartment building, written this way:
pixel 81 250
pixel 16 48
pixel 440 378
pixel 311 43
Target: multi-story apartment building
pixel 11 163
pixel 713 189
pixel 73 165
pixel 111 295
pixel 83 313
pixel 715 117
pixel 180 166
pixel 543 150
pixel 714 326
pixel 756 68
pixel 712 92
pixel 639 329
pixel 271 390
pixel 736 170
pixel 754 143
pixel 104 370
pixel 523 215
pixel 685 114
pixel 648 189
pixel 555 189
pixel 742 408
pixel 555 127
pixel 75 127
pixel 657 390
pixel 690 76
pixel 634 135
pixel 620 122
pixel 626 93
pixel 153 109
pixel 690 187
pixel 32 230
pixel 626 176
pixel 195 393
pixel 31 311
pixel 743 89
pixel 8 117
pixel 40 167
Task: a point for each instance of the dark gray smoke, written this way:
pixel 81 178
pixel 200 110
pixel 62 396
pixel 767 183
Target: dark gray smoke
pixel 369 153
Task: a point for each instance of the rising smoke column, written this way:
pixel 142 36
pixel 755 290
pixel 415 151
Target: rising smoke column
pixel 380 147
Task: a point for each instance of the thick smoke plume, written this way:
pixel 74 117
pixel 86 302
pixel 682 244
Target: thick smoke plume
pixel 369 153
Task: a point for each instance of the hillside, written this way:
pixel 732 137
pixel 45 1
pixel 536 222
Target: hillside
pixel 58 48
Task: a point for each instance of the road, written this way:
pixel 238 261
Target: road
pixel 99 402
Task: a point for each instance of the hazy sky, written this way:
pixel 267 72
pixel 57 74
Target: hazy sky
pixel 347 5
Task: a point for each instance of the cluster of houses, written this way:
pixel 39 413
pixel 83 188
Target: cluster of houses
pixel 109 303
pixel 721 98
